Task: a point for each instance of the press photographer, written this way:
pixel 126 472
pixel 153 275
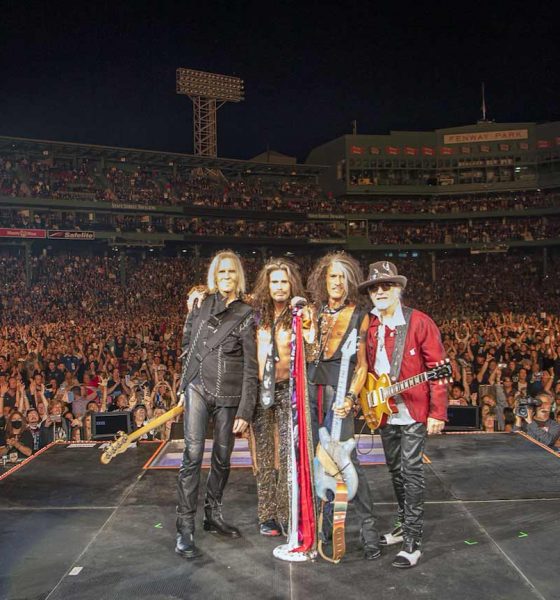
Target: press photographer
pixel 532 415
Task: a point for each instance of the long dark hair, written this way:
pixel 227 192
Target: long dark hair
pixel 317 283
pixel 262 301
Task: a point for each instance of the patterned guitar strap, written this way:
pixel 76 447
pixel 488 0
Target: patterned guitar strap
pixel 340 506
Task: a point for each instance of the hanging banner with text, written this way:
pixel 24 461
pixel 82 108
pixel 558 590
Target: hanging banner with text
pixel 60 234
pixel 9 232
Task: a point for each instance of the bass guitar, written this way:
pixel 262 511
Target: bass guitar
pixel 376 397
pixel 123 440
pixel 333 461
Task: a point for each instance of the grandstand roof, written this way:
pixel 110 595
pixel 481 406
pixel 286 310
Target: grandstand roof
pixel 228 166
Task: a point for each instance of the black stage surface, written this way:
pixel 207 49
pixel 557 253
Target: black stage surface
pixel 492 531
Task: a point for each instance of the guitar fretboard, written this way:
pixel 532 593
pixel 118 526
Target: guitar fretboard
pixel 404 385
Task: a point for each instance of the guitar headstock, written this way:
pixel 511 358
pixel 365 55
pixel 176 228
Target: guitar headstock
pixel 117 446
pixel 441 372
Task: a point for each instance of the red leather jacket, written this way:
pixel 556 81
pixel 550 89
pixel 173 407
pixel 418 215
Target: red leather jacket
pixel 422 350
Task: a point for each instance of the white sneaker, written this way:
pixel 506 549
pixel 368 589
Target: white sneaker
pixel 394 537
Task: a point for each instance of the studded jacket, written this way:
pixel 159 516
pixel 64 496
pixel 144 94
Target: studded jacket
pixel 219 351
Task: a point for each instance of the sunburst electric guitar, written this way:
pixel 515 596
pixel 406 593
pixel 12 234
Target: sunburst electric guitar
pixel 376 397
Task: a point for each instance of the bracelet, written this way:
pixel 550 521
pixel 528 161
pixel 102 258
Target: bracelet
pixel 352 397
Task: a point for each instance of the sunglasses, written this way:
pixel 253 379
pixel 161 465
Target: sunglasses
pixel 385 286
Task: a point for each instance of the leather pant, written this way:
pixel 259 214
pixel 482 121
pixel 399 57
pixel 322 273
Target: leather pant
pixel 363 500
pixel 199 407
pixel 404 448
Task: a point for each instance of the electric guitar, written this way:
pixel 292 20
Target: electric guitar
pixel 376 397
pixel 332 461
pixel 123 440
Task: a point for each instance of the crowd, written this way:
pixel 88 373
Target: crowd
pixel 143 185
pixel 489 231
pixel 86 337
pixel 515 201
pixel 193 226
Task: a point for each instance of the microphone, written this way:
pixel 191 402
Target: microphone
pixel 298 302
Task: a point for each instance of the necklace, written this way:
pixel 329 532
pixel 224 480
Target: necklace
pixel 327 321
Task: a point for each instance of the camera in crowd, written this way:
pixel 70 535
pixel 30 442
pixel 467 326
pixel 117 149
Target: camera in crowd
pixel 524 404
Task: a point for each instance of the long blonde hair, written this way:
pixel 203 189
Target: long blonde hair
pixel 215 265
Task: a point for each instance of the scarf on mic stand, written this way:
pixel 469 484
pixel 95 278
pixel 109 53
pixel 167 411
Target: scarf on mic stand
pixel 302 535
pixel 304 443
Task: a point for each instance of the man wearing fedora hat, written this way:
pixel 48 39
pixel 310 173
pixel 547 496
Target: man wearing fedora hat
pixel 404 342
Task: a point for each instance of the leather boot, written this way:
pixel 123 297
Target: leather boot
pixel 214 521
pixel 185 545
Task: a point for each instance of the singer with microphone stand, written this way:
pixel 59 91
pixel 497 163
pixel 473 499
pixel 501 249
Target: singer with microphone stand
pixel 278 289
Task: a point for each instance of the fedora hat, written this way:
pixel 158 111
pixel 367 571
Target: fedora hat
pixel 382 272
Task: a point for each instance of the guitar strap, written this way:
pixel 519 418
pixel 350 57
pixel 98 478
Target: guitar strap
pixel 398 350
pixel 339 518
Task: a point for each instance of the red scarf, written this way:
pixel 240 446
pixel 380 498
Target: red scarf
pixel 307 525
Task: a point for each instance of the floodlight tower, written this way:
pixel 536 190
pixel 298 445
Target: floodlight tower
pixel 208 92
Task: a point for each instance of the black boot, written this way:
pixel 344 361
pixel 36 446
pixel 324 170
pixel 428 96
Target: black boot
pixel 214 521
pixel 185 546
pixel 369 536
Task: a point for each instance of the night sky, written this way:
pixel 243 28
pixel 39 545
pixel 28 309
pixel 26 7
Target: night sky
pixel 104 72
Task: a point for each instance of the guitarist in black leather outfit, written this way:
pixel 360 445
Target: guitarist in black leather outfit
pixel 334 289
pixel 219 380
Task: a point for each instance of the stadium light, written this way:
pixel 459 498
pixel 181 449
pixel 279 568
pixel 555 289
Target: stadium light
pixel 208 92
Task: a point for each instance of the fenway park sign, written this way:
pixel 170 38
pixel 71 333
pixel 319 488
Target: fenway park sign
pixel 486 136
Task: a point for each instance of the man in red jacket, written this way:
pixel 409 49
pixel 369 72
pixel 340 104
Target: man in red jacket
pixel 396 329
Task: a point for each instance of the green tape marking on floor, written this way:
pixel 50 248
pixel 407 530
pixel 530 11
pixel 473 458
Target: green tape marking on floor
pixel 158 526
pixel 522 534
pixel 471 542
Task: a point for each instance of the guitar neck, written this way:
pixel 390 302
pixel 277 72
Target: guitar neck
pixel 348 350
pixel 406 384
pixel 170 414
pixel 336 427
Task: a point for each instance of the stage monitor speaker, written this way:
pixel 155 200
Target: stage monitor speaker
pixel 177 431
pixel 463 418
pixel 105 425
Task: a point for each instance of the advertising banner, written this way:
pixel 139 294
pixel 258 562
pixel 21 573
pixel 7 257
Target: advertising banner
pixel 61 234
pixel 9 232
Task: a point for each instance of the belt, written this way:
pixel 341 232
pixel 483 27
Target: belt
pixel 280 386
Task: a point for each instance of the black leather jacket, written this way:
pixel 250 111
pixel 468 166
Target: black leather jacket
pixel 221 350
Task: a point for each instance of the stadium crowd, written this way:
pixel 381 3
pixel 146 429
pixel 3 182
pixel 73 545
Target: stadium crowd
pixel 145 185
pixel 84 337
pixel 480 230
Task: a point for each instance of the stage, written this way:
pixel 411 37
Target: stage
pixel 74 529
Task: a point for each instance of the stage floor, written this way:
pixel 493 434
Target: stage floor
pixel 170 454
pixel 74 529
